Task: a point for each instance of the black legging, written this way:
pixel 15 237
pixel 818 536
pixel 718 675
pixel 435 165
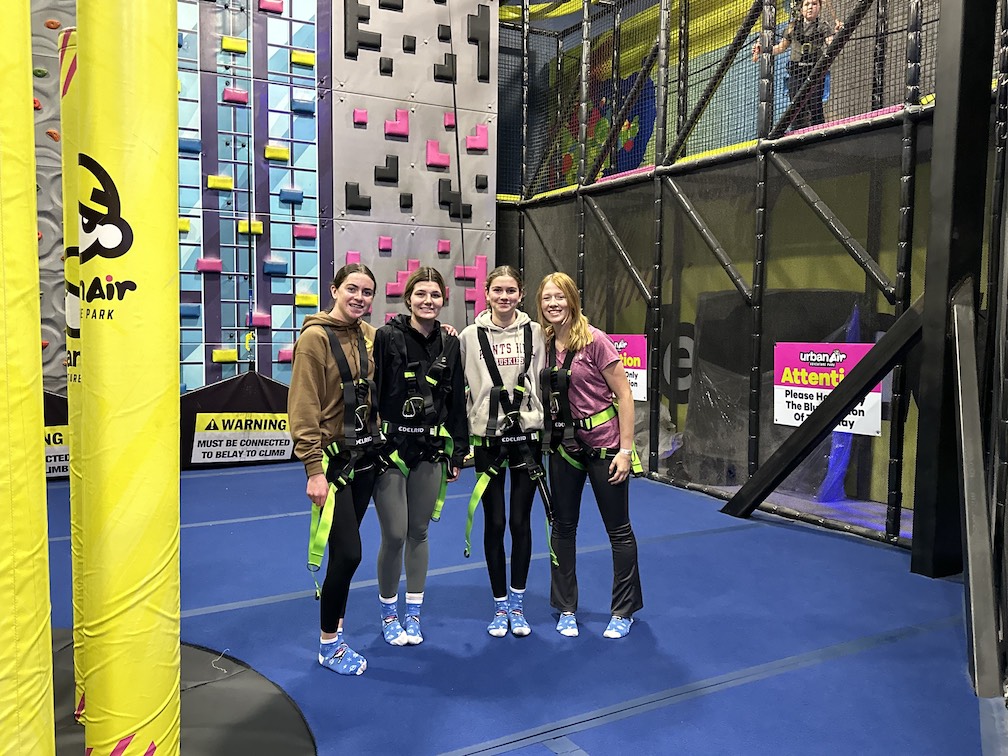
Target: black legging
pixel 567 484
pixel 344 547
pixel 809 111
pixel 494 521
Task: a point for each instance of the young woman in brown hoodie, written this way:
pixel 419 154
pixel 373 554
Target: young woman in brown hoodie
pixel 333 424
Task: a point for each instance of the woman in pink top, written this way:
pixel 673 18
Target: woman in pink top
pixel 590 432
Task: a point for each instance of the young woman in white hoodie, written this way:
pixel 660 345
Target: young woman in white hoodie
pixel 502 355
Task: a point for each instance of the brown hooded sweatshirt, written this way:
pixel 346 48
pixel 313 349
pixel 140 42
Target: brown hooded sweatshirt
pixel 315 399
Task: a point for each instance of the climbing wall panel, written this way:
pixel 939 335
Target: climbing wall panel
pixel 414 119
pixel 47 19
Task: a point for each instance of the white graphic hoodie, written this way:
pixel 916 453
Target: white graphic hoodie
pixel 508 345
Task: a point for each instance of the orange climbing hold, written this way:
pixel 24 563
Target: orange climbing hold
pixel 40 236
pixel 52 23
pixel 53 134
pixel 36 104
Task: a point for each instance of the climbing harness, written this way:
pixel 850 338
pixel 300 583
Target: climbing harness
pixel 425 394
pixel 505 434
pixel 340 457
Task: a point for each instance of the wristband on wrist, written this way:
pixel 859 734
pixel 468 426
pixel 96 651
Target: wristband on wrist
pixel 627 452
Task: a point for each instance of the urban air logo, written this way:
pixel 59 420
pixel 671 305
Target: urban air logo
pixel 822 359
pixel 103 233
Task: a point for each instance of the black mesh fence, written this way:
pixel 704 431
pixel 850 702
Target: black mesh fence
pixel 728 115
pixel 711 97
pixel 712 423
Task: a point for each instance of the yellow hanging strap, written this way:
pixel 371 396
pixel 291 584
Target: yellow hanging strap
pixel 449 449
pixel 635 462
pixel 474 500
pixel 322 517
pixel 482 480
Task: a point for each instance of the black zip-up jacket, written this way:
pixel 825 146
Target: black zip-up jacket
pixel 391 362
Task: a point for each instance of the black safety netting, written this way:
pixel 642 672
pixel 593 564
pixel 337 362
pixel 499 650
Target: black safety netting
pixel 834 214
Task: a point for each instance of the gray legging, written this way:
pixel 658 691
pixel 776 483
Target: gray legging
pixel 404 507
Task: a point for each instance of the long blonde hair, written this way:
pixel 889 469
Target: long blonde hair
pixel 580 336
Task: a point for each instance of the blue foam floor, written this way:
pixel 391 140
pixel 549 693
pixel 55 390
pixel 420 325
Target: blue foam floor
pixel 757 636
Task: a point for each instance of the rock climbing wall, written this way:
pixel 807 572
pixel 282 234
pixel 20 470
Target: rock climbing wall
pixel 414 103
pixel 310 135
pixel 47 19
pixel 314 135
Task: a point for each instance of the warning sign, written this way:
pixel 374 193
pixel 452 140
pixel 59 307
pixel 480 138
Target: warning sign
pixel 57 451
pixel 805 374
pixel 632 348
pixel 239 437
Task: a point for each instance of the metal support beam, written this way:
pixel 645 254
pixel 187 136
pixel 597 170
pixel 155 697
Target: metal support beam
pixel 879 55
pixel 642 76
pixel 682 79
pixel 583 140
pixel 903 335
pixel 904 258
pixel 741 37
pixel 764 121
pixel 835 226
pixel 955 244
pixel 525 129
pixel 654 324
pixel 822 65
pixel 617 245
pixel 983 619
pixel 546 251
pixel 710 240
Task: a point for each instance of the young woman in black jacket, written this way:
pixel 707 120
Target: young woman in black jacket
pixel 421 402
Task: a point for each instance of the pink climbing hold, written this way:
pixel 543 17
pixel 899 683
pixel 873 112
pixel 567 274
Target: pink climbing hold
pixel 436 158
pixel 400 126
pixel 480 141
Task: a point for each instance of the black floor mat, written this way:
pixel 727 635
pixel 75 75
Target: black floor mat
pixel 227 708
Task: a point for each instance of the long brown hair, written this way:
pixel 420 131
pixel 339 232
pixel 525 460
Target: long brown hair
pixel 580 336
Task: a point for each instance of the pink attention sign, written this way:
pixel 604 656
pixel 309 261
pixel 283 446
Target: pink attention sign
pixel 805 373
pixel 632 348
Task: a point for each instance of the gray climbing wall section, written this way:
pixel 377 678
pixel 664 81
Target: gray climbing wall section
pixel 414 124
pixel 310 134
pixel 48 17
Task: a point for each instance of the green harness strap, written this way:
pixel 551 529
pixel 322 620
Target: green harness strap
pixel 587 423
pixel 576 464
pixel 482 481
pixel 593 421
pixel 438 431
pixel 449 449
pixel 635 464
pixel 321 520
pixel 359 431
